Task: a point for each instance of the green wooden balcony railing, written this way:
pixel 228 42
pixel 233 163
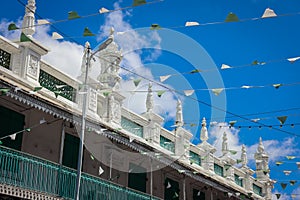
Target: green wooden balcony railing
pixel 32 173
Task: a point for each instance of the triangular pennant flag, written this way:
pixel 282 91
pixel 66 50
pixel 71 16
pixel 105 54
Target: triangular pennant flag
pixel 56 93
pixel 279 163
pixel 230 194
pixel 290 157
pixel 278 196
pixel 42 121
pixel 233 152
pixel 192 24
pixel 56 36
pixel 246 86
pixel 283 185
pixel 282 119
pixel 13 136
pixel 292 60
pixel 12 26
pixel 106 94
pixel 160 93
pixel 231 17
pixel 138 2
pixel 199 193
pixel 92 157
pixel 276 86
pixel 87 32
pixel 131 139
pixel 155 27
pixel 225 66
pixel 195 71
pixel 60 86
pixel 1 142
pixel 268 13
pixel 238 161
pixel 73 15
pixel 250 194
pixel 27 129
pixel 35 89
pixel 287 172
pixel 217 91
pixel 3 91
pixel 101 171
pixel 265 172
pixel 180 171
pixel 293 196
pixel 164 78
pixel 175 195
pixel 188 92
pixel 232 123
pixel 298 164
pixel 42 21
pixel 237 194
pixel 137 82
pixel 103 10
pixel 192 124
pixel 24 38
pixel 227 166
pixel 168 185
pixel 293 182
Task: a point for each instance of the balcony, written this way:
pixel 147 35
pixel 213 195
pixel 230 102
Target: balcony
pixel 32 173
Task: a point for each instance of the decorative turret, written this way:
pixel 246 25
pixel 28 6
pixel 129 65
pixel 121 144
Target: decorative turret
pixel 262 162
pixel 224 144
pixel 110 58
pixel 28 20
pixel 149 100
pixel 244 158
pixel 204 132
pixel 179 116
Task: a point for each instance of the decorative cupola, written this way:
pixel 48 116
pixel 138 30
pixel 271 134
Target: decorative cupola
pixel 262 162
pixel 248 172
pixel 152 131
pixel 31 50
pixel 183 137
pixel 209 150
pixel 225 144
pixel 28 25
pixel 244 159
pixel 227 160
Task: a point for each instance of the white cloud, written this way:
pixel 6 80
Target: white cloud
pixel 274 148
pixel 277 149
pixel 64 55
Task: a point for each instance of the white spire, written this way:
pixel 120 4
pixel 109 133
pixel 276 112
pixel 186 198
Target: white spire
pixel 28 20
pixel 260 148
pixel 179 116
pixel 149 101
pixel 244 156
pixel 204 132
pixel 224 144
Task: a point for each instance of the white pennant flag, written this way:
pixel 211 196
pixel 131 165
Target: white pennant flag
pixel 13 136
pixel 192 24
pixel 188 92
pixel 293 59
pixel 169 185
pixel 101 171
pixel 56 36
pixel 131 139
pixel 164 78
pixel 225 66
pixel 246 86
pixel 103 10
pixel 268 13
pixel 217 91
pixel 287 172
pixel 230 194
pixel 42 21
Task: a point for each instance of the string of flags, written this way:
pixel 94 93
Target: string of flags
pixel 72 15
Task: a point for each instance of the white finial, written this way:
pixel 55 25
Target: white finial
pixel 260 148
pixel 244 156
pixel 112 31
pixel 224 144
pixel 149 101
pixel 29 18
pixel 179 116
pixel 204 132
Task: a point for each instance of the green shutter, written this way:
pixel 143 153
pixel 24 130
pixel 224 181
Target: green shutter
pixel 137 181
pixel 171 193
pixel 11 122
pixel 198 195
pixel 218 170
pixel 71 149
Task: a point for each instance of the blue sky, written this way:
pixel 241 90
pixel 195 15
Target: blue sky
pixel 178 49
